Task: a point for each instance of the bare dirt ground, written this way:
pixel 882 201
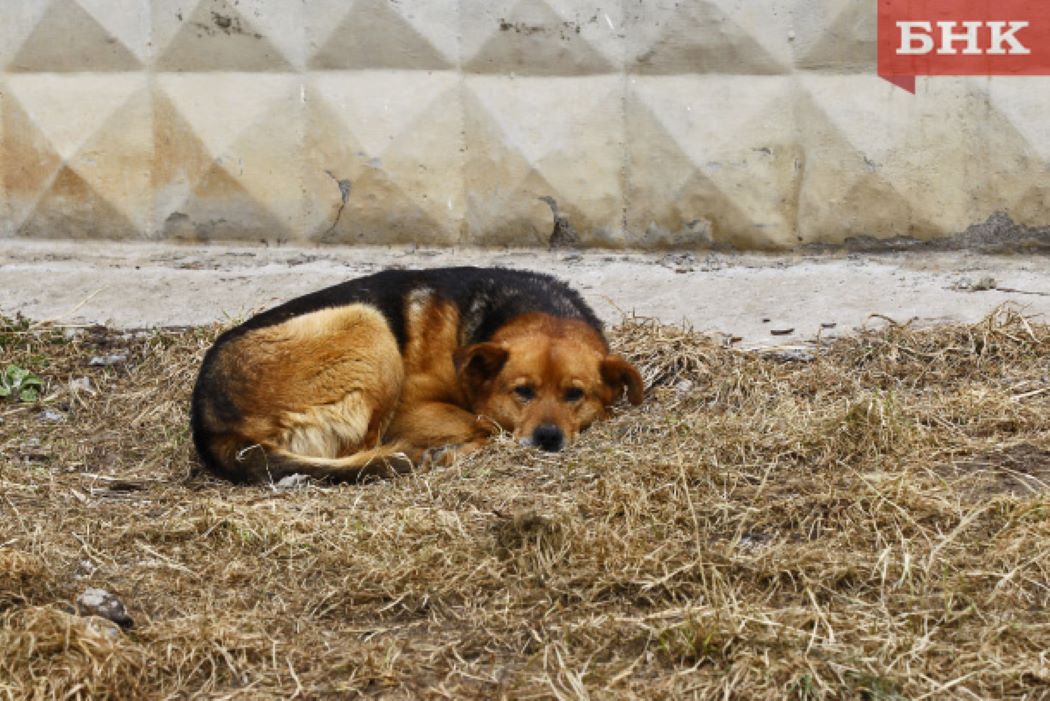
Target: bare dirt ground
pixel 749 296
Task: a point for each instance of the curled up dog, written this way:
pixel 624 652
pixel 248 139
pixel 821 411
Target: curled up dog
pixel 371 377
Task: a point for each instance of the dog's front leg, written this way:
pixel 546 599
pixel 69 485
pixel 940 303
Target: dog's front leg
pixel 440 431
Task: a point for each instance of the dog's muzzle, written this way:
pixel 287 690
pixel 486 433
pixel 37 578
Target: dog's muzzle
pixel 548 437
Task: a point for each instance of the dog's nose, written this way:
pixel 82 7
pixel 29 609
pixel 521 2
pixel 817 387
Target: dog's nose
pixel 548 437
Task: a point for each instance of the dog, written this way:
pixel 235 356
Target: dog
pixel 374 376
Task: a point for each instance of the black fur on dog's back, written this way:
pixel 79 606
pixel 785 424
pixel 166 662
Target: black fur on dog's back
pixel 487 299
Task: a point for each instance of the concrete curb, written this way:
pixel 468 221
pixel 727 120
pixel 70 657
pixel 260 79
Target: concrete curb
pixel 747 296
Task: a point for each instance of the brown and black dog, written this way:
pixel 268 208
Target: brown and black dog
pixel 372 376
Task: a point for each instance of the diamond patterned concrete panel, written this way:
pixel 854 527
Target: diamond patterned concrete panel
pixel 1017 147
pixel 72 36
pixel 849 150
pixel 541 37
pixel 228 144
pixel 379 138
pixel 936 167
pixel 19 18
pixel 519 156
pixel 29 162
pixel 1025 103
pixel 88 156
pixel 370 34
pixel 227 35
pixel 834 36
pixel 708 36
pixel 504 122
pixel 733 181
pixel 934 163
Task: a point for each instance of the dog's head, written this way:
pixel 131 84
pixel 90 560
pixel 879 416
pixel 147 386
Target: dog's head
pixel 545 379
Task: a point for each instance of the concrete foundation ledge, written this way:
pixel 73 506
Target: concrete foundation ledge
pixel 762 300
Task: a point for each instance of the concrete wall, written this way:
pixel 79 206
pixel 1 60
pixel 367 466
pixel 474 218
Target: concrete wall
pixel 754 123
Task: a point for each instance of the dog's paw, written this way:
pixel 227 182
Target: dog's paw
pixel 438 457
pixel 400 464
pixel 445 455
pixel 486 426
pixel 384 467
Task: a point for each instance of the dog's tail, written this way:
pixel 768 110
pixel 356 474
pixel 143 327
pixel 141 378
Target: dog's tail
pixel 234 459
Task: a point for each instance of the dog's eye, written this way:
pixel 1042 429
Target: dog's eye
pixel 573 394
pixel 525 392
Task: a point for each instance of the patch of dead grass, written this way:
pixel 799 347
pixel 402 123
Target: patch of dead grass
pixel 871 522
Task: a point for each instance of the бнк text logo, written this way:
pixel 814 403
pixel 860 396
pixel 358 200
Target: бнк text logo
pixel 962 37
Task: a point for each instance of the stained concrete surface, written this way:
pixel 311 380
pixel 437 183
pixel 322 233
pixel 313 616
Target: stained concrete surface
pixel 746 296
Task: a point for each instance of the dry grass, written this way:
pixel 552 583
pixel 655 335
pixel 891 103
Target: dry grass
pixel 872 524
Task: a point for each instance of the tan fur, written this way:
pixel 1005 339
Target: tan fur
pixel 322 385
pixel 432 409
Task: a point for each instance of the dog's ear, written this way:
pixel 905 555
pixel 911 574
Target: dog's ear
pixel 477 364
pixel 618 374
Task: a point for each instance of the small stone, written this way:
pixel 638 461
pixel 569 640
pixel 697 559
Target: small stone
pixel 105 360
pixel 99 602
pixel 754 540
pixel 81 384
pixel 105 627
pixel 712 262
pixel 792 355
pixel 85 568
pixel 981 284
pixel 291 483
pixel 52 417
